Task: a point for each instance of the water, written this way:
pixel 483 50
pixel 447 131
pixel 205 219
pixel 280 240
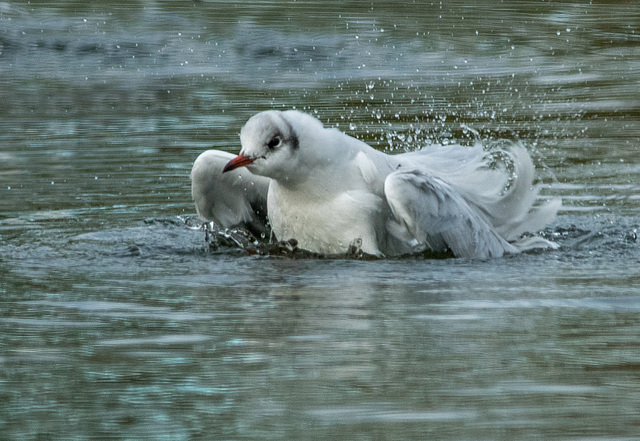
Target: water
pixel 118 322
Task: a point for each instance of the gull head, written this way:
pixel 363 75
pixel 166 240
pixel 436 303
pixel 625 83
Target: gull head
pixel 271 143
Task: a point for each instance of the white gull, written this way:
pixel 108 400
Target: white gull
pixel 330 191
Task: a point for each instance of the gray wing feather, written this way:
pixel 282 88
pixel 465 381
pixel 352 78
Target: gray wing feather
pixel 434 215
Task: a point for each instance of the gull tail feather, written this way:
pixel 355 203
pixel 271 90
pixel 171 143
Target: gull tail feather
pixel 511 212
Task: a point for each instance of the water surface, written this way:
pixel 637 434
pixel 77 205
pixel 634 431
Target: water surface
pixel 117 321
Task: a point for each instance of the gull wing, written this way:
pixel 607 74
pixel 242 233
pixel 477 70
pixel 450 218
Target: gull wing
pixel 231 200
pixel 430 213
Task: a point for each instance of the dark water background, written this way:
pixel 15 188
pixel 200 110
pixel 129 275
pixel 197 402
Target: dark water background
pixel 117 321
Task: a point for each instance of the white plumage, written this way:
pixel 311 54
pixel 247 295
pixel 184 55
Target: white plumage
pixel 328 190
pixel 237 200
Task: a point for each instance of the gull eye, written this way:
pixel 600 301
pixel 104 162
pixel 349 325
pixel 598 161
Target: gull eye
pixel 275 142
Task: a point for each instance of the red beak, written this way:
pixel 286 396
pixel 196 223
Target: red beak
pixel 238 161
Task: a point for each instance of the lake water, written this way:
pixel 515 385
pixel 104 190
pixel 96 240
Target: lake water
pixel 118 322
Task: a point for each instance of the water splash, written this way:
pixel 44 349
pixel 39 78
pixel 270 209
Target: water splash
pixel 226 240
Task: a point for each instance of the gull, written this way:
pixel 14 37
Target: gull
pixel 329 191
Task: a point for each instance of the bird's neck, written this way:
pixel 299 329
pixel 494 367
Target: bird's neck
pixel 319 184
